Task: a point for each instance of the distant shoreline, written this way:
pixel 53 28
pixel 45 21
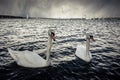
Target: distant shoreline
pixel 7 16
pixel 20 17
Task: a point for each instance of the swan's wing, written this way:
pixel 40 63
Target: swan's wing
pixel 28 55
pixel 27 58
pixel 33 59
pixel 80 51
pixel 39 51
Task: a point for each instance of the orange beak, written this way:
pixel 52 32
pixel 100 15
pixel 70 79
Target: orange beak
pixel 92 39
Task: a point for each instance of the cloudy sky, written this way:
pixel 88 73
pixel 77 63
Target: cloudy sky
pixel 61 8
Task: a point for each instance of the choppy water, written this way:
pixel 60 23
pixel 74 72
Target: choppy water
pixel 31 34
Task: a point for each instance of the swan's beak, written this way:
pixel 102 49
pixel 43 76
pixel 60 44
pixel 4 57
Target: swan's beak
pixel 92 39
pixel 53 37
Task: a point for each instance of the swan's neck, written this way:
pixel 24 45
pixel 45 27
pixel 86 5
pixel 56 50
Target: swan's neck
pixel 87 46
pixel 48 48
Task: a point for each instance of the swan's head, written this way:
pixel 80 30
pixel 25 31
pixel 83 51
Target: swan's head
pixel 90 37
pixel 51 33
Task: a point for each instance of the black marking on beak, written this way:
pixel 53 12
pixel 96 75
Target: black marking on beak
pixel 91 37
pixel 52 33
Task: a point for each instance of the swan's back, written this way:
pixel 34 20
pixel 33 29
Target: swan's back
pixel 81 53
pixel 28 58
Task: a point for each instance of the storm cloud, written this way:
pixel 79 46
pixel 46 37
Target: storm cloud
pixel 61 8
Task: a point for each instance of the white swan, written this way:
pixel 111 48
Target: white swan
pixel 32 59
pixel 83 51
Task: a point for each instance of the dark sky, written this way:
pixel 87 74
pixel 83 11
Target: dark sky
pixel 61 8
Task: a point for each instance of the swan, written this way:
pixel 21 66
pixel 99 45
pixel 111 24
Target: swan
pixel 32 59
pixel 82 51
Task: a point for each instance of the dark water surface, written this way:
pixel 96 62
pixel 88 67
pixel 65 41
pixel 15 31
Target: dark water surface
pixel 31 34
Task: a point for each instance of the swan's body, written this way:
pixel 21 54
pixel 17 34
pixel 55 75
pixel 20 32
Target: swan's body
pixel 28 59
pixel 83 52
pixel 32 59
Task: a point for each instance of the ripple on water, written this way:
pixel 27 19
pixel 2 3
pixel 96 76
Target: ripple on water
pixel 32 35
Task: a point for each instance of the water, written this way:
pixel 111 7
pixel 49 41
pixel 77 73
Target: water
pixel 31 34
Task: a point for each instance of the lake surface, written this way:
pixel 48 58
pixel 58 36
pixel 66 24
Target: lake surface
pixel 31 34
